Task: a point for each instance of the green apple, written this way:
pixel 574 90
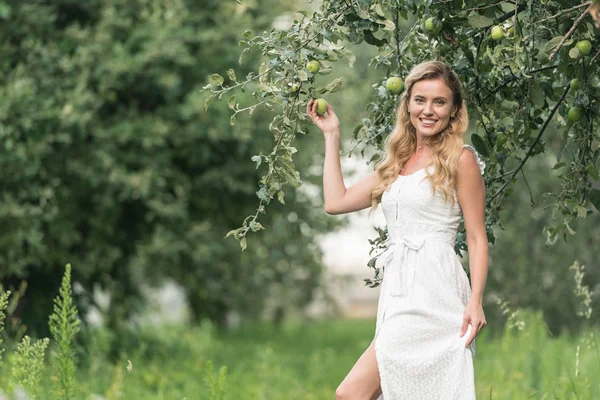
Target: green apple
pixel 574 114
pixel 433 26
pixel 394 84
pixel 497 32
pixel 313 66
pixel 321 106
pixel 574 84
pixel 585 47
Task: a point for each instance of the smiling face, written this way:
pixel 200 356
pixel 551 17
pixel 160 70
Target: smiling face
pixel 430 106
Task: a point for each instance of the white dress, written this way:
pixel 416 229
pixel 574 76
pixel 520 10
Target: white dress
pixel 423 295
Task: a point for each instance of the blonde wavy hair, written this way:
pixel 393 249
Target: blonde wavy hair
pixel 446 145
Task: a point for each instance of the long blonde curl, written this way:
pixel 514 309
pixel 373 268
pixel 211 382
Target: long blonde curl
pixel 446 145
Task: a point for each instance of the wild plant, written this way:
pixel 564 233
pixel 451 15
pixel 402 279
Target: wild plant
pixel 64 325
pixel 217 386
pixel 583 292
pixel 3 305
pixel 28 365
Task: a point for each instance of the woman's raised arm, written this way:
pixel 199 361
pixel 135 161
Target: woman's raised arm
pixel 338 198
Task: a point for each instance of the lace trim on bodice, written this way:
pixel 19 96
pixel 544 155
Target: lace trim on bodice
pixel 480 162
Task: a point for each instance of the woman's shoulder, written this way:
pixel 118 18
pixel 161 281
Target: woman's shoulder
pixel 475 155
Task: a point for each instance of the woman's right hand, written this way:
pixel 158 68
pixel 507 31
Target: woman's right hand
pixel 328 123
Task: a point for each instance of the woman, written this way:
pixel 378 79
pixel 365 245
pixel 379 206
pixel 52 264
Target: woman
pixel 428 315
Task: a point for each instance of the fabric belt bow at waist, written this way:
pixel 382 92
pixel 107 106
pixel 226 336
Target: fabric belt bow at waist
pixel 398 252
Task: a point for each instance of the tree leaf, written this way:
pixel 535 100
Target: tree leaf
pixel 302 75
pixel 247 49
pixel 263 194
pixel 231 102
pixel 208 100
pixel 379 10
pixel 479 145
pixel 216 80
pixel 232 120
pixel 389 25
pixel 593 171
pixel 334 85
pixel 257 160
pixel 372 40
pixel 551 44
pixel 349 55
pixel 255 226
pixel 233 232
pixel 325 70
pixel 595 198
pixel 479 21
pixel 569 229
pixel 231 74
pixel 581 211
pixel 574 53
pixel 537 94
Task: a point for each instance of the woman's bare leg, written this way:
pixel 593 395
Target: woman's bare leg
pixel 362 382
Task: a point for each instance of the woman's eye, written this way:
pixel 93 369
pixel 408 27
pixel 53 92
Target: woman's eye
pixel 440 102
pixel 419 100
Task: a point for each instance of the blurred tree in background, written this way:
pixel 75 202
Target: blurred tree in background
pixel 109 162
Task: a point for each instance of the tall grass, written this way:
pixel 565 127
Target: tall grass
pixel 64 325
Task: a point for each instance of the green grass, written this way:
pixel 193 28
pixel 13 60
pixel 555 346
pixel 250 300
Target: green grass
pixel 308 360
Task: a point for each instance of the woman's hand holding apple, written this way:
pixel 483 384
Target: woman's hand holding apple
pixel 328 123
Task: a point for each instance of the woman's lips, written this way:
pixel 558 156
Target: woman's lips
pixel 427 122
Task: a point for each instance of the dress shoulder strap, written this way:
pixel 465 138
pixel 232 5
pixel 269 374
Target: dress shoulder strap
pixel 480 162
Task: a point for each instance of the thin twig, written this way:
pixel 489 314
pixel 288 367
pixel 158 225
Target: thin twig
pixel 587 3
pixel 593 58
pixel 535 142
pixel 488 6
pixel 528 188
pixel 533 71
pixel 397 32
pixel 509 14
pixel 478 91
pixel 497 178
pixel 515 24
pixel 513 78
pixel 564 39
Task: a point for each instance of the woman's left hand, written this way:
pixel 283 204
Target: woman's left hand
pixel 473 315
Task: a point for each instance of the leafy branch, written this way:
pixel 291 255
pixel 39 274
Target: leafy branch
pixel 564 39
pixel 535 142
